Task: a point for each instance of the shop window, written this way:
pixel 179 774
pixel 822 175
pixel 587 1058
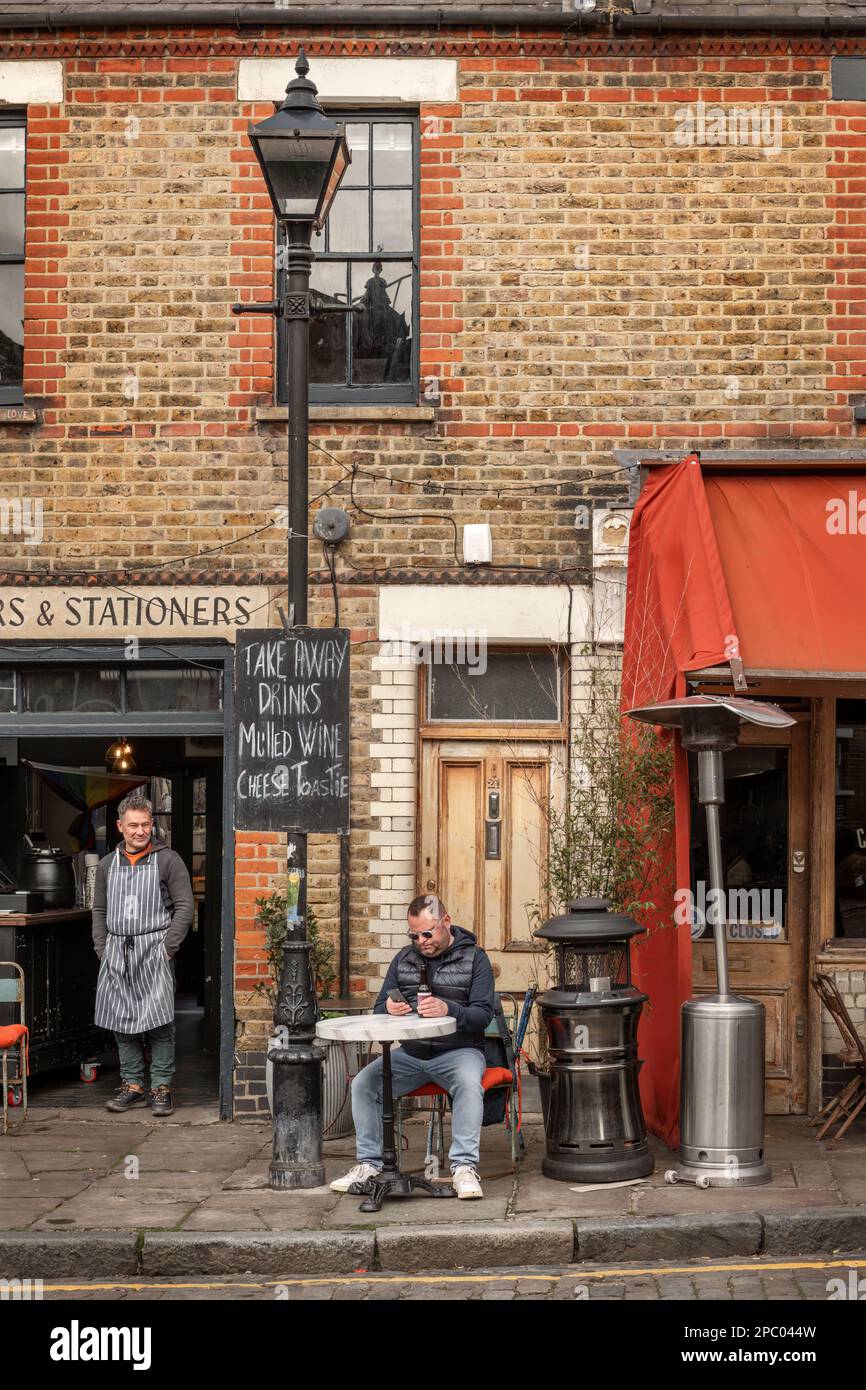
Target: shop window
pixel 12 194
pixel 754 828
pixel 495 687
pixel 98 690
pixel 88 690
pixel 367 256
pixel 185 689
pixel 7 692
pixel 850 887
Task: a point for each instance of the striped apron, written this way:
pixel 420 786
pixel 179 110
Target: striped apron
pixel 135 988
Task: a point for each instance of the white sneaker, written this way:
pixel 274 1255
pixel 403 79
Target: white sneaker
pixel 465 1182
pixel 360 1173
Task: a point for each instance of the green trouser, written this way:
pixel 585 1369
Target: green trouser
pixel 131 1049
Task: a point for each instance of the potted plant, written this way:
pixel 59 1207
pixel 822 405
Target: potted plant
pixel 341 1059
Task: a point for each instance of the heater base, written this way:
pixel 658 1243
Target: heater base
pixel 563 1167
pixel 745 1175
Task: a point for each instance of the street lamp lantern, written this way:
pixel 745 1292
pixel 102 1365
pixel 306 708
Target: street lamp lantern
pixel 303 154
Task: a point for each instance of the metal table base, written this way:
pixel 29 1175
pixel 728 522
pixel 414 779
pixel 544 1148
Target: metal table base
pixel 390 1181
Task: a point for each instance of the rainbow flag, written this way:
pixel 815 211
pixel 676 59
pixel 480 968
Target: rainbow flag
pixel 86 791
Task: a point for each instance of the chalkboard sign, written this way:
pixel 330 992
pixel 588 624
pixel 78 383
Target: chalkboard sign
pixel 292 745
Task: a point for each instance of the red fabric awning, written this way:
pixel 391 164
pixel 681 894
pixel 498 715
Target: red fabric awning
pixel 794 564
pixel 770 567
pixel 678 618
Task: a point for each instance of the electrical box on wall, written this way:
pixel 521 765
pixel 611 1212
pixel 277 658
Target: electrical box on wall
pixel 477 544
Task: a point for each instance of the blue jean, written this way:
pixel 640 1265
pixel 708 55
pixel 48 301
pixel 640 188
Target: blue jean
pixel 458 1072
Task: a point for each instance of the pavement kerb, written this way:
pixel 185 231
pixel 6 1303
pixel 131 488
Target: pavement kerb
pixel 458 1245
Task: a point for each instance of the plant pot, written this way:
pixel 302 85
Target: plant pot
pixel 342 1063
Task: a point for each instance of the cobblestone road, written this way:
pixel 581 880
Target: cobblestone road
pixel 761 1280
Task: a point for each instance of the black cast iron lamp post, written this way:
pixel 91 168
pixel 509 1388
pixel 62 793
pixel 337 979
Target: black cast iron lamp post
pixel 303 156
pixel 722 1052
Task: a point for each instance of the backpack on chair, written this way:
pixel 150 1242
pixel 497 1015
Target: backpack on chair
pixel 498 1052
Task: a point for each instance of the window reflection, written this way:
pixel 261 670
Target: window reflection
pixel 12 157
pixel 754 829
pixel 850 897
pixel 381 333
pixel 12 154
pixel 364 258
pixel 11 324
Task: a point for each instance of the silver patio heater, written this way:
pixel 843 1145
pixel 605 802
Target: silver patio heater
pixel 722 1055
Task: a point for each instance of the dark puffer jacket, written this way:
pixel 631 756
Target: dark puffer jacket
pixel 462 976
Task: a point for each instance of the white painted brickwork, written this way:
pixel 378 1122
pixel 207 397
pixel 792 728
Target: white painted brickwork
pixel 852 987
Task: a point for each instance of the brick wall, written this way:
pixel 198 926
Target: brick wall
pixel 852 986
pixel 588 282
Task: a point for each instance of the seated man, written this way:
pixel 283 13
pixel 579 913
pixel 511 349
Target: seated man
pixel 460 978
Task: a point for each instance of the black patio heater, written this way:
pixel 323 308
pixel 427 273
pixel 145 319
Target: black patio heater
pixel 593 1119
pixel 722 1052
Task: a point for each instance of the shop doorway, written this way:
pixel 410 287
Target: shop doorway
pixel 63 705
pixel 185 783
pixel 765 844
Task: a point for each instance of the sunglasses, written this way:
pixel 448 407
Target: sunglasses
pixel 417 935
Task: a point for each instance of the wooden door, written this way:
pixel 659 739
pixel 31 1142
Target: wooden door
pixel 766 947
pixel 483 842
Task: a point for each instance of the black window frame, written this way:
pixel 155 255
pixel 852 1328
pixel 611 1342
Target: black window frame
pixel 17 120
pixel 391 392
pixel 20 671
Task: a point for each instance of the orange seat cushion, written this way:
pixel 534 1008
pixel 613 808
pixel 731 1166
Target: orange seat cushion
pixel 496 1076
pixel 11 1034
pixel 493 1076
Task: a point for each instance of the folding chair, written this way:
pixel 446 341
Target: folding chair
pixel 845 1106
pixel 499 1047
pixel 14 1037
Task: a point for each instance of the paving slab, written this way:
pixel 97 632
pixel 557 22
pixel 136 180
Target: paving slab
pixel 43 1189
pixel 103 1211
pixel 12 1166
pixel 417 1209
pixel 217 1219
pixel 687 1200
pixel 22 1213
pixel 537 1193
pixel 277 1210
pixel 813 1172
pixel 79 1160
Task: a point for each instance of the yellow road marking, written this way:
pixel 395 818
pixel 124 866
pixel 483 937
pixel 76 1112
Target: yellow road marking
pixel 575 1273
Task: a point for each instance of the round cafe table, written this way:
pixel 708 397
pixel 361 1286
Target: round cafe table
pixel 388 1029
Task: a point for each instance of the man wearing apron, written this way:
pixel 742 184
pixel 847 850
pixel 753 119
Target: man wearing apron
pixel 142 910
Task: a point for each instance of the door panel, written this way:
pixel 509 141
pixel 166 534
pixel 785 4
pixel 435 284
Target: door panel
pixel 525 849
pixel 459 876
pixel 482 842
pixel 766 824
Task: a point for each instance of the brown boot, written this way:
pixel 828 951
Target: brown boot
pixel 126 1097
